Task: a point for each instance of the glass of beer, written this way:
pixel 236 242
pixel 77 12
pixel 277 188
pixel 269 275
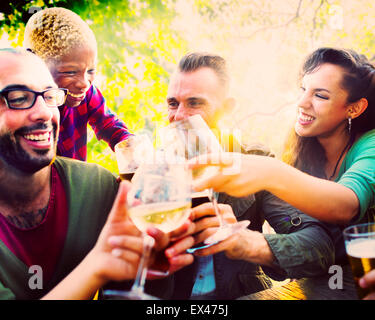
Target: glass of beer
pixel 130 153
pixel 360 248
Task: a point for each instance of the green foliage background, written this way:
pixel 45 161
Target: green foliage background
pixel 133 71
pixel 264 41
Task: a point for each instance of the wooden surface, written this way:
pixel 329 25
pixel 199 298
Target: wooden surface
pixel 310 289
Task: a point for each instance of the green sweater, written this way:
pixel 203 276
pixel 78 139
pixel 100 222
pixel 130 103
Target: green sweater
pixel 357 173
pixel 90 191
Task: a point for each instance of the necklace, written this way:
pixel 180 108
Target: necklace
pixel 347 146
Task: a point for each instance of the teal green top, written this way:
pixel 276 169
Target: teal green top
pixel 90 191
pixel 357 173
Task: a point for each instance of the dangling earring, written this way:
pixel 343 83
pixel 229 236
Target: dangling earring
pixel 349 124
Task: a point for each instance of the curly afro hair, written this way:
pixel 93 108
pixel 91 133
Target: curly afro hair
pixel 53 32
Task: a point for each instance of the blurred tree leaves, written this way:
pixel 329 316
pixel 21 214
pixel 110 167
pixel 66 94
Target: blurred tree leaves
pixel 134 57
pixel 264 41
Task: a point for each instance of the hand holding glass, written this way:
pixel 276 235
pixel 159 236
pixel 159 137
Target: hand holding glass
pixel 360 248
pixel 159 197
pixel 193 137
pixel 130 153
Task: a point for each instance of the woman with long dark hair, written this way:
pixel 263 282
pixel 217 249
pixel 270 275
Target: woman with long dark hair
pixel 329 163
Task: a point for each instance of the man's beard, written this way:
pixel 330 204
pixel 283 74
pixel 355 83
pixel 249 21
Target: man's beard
pixel 12 153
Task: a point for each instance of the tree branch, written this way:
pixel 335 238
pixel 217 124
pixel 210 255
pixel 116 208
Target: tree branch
pixel 295 17
pixel 314 21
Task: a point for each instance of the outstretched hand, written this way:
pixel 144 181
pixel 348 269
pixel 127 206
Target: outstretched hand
pixel 368 281
pixel 124 242
pixel 115 255
pixel 238 175
pixel 120 244
pixel 174 257
pixel 203 224
pixel 207 223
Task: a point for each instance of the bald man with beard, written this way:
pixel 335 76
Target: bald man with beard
pixel 63 219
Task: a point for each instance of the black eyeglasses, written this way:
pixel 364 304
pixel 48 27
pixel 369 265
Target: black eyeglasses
pixel 25 98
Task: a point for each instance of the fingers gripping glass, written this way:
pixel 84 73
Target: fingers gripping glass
pixel 194 137
pixel 20 99
pixel 160 197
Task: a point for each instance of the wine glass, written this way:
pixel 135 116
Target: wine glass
pixel 130 153
pixel 192 137
pixel 159 197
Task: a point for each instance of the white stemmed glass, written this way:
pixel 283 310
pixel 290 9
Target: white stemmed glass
pixel 160 197
pixel 194 137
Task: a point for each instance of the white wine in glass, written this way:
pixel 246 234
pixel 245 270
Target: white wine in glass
pixel 160 197
pixel 166 216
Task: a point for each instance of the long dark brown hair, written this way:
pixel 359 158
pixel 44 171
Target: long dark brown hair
pixel 306 153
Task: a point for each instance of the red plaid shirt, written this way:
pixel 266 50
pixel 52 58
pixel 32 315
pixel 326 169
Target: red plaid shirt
pixel 72 140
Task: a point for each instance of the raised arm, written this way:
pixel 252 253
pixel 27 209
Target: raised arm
pixel 105 123
pixel 115 256
pixel 247 174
